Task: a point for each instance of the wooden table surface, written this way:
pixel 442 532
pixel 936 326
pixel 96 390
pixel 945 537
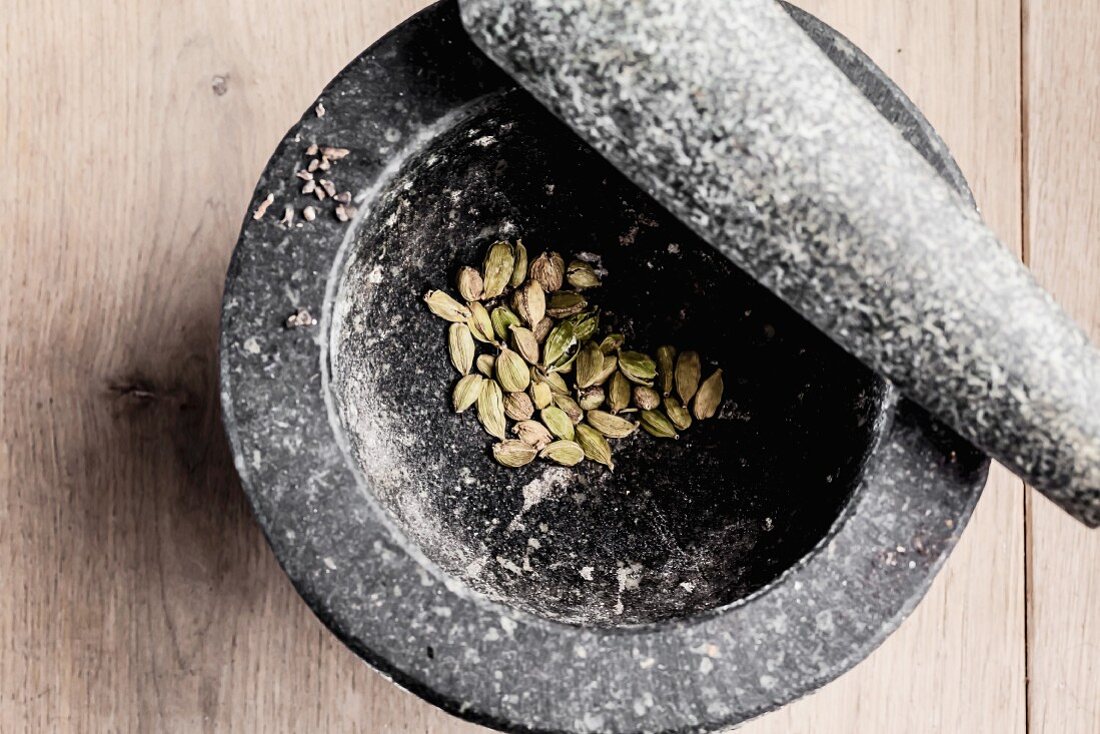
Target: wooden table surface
pixel 139 593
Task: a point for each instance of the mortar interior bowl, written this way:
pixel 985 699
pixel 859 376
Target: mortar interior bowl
pixel 702 582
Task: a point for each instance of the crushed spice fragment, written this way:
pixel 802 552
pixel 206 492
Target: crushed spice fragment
pixel 300 319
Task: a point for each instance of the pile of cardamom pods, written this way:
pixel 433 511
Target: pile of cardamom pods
pixel 566 391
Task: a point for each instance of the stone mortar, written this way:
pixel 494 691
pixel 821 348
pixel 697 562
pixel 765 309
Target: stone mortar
pixel 701 585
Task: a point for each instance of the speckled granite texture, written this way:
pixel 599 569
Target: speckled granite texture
pixel 340 535
pixel 733 119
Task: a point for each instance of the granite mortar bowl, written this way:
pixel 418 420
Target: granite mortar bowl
pixel 703 582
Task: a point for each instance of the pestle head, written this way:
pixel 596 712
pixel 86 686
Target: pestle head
pixel 838 215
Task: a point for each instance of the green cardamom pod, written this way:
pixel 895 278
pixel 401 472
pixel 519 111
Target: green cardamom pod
pixel 560 344
pixel 709 397
pixel 470 285
pixel 532 433
pixel 558 422
pixel 585 324
pixel 530 303
pixel 612 343
pixel 687 376
pixel 541 394
pixel 594 445
pixel 542 329
pixel 548 269
pixel 524 342
pixel 498 266
pixel 656 424
pixel 581 275
pixel 666 361
pixel 565 303
pixel 638 367
pixel 490 409
pixel 485 364
pixel 460 343
pixel 511 371
pixel 591 398
pixel 677 413
pixel 518 406
pixel 570 407
pixel 566 453
pixel 445 307
pixel 503 320
pixel 589 365
pixel 556 383
pixel 466 392
pixel 481 325
pixel 646 398
pixel 610 364
pixel 514 454
pixel 610 425
pixel 618 393
pixel 519 269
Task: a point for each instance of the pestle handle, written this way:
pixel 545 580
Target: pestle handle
pixel 834 212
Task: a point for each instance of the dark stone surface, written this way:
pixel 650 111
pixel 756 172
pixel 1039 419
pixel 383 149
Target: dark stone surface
pixel 739 126
pixel 685 526
pixel 352 514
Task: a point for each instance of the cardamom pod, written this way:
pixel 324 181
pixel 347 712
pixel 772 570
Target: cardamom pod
pixel 470 285
pixel 677 413
pixel 656 424
pixel 565 303
pixel 460 343
pixel 511 371
pixel 485 364
pixel 532 433
pixel 556 383
pixel 594 445
pixel 585 324
pixel 559 344
pixel 519 270
pixel 709 397
pixel 570 407
pixel 503 320
pixel 566 453
pixel 518 406
pixel 498 266
pixel 530 303
pixel 581 275
pixel 557 421
pixel 646 398
pixel 445 307
pixel 666 361
pixel 687 376
pixel 524 342
pixel 540 393
pixel 481 325
pixel 542 329
pixel 618 393
pixel 466 392
pixel 589 364
pixel 610 363
pixel 490 409
pixel 514 454
pixel 548 269
pixel 612 343
pixel 591 398
pixel 609 425
pixel 638 368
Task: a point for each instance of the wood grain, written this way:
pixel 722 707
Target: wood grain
pixel 1062 128
pixel 957 664
pixel 141 595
